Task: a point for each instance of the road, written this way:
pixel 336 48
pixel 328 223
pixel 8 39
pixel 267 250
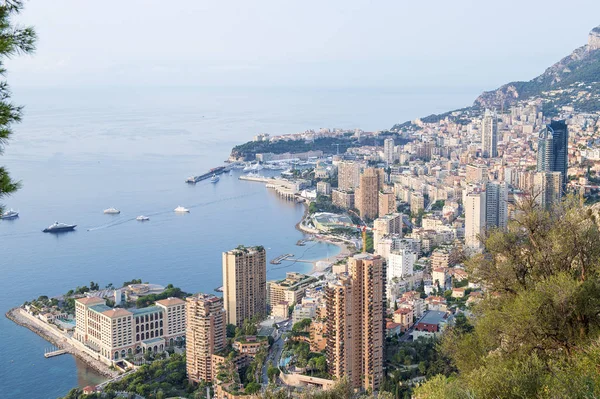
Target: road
pixel 275 352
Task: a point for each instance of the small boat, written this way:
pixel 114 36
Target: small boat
pixel 111 211
pixel 181 209
pixel 191 180
pixel 59 227
pixel 214 179
pixel 142 218
pixel 10 214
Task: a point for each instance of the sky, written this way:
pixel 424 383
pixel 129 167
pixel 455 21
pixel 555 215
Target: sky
pixel 279 43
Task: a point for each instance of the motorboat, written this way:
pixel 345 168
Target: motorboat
pixel 181 209
pixel 59 227
pixel 10 214
pixel 142 218
pixel 214 179
pixel 112 211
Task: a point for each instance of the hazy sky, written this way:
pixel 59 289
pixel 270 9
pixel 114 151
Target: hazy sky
pixel 334 43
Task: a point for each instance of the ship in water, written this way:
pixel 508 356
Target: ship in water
pixel 59 228
pixel 10 214
pixel 181 209
pixel 214 179
pixel 142 218
pixel 112 211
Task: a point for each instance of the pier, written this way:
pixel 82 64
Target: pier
pixel 55 353
pixel 279 259
pixel 214 171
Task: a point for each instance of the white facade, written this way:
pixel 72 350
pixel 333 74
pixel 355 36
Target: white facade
pixel 389 153
pixel 475 212
pixel 400 264
pixel 489 135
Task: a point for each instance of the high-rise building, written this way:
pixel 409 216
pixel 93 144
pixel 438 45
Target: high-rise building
pixel 342 199
pixel 553 153
pixel 348 175
pixel 489 135
pixel 547 188
pixel 496 203
pixel 355 322
pixel 475 212
pixel 205 335
pixel 367 195
pixel 389 153
pixel 400 264
pixel 417 202
pixel 476 173
pixel 387 203
pixel 244 283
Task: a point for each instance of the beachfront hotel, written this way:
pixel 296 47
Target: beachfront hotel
pixel 244 283
pixel 113 334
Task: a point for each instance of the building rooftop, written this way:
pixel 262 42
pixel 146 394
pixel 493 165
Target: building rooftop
pixel 170 302
pixel 100 308
pixel 118 312
pixel 90 300
pixel 434 317
pixel 147 310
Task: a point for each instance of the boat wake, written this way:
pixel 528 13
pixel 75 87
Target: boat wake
pixel 121 221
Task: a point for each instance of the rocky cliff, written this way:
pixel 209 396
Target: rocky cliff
pixel 582 65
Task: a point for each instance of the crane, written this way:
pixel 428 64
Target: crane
pixel 363 229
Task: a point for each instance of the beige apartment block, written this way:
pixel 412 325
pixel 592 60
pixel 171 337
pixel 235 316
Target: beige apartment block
pixel 244 283
pixel 206 335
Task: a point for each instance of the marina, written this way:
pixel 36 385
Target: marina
pixel 212 172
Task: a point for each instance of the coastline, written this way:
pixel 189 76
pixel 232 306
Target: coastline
pixel 344 251
pixel 57 338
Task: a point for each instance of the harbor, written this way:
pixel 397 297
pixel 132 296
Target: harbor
pixel 214 171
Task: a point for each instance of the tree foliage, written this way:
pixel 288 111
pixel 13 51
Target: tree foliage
pixel 14 40
pixel 536 334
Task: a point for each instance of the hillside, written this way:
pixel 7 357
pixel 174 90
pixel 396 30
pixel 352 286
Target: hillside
pixel 572 81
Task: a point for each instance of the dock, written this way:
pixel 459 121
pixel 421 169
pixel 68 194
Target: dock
pixel 279 259
pixel 55 353
pixel 214 171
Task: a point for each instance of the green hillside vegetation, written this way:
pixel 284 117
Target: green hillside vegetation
pixel 537 334
pixel 328 145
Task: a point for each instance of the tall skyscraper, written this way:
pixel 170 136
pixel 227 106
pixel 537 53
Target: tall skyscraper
pixel 348 175
pixel 547 188
pixel 475 212
pixel 355 322
pixel 496 204
pixel 553 153
pixel 489 135
pixel 367 195
pixel 205 334
pixel 389 153
pixel 244 283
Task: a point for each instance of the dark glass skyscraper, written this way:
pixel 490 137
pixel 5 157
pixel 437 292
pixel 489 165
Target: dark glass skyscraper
pixel 553 150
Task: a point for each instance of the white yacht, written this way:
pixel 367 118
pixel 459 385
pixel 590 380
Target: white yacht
pixel 181 209
pixel 10 214
pixel 59 227
pixel 112 211
pixel 214 179
pixel 247 168
pixel 142 218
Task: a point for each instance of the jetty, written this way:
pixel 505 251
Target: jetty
pixel 214 171
pixel 279 259
pixel 55 353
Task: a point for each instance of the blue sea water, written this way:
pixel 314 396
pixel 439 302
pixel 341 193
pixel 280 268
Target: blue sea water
pixel 78 152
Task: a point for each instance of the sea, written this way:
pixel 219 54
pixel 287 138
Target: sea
pixel 79 151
